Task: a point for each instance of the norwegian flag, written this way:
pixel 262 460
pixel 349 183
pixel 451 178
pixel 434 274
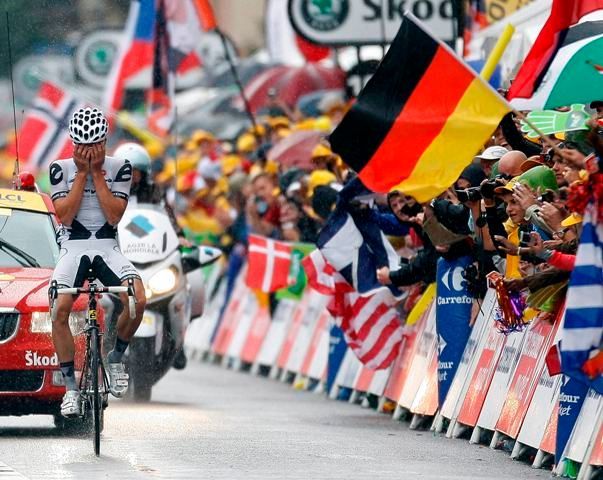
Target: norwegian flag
pixel 269 263
pixel 44 134
pixel 371 326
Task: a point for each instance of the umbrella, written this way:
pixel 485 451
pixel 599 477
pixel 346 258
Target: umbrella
pixel 295 150
pixel 291 83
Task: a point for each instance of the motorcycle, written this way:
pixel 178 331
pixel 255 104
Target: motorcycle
pixel 174 291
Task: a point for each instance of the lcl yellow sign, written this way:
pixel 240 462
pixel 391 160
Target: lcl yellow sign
pixel 20 200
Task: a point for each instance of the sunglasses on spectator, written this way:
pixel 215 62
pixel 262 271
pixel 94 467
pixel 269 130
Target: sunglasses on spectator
pixel 547 159
pixel 561 233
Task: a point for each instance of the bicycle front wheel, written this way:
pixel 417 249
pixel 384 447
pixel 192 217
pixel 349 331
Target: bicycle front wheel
pixel 96 403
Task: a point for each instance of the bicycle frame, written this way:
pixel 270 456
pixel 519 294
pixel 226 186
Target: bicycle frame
pixel 86 380
pixel 94 391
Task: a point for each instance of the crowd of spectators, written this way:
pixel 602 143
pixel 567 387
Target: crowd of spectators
pixel 517 207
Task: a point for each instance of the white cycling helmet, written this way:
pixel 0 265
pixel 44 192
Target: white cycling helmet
pixel 88 125
pixel 136 154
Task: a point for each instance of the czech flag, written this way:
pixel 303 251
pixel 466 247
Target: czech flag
pixel 135 55
pixel 420 119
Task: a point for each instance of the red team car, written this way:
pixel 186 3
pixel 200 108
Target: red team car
pixel 30 379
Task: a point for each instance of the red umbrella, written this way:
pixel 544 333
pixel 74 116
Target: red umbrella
pixel 291 83
pixel 295 150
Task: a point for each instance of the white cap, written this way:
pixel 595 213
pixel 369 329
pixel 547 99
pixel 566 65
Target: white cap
pixel 492 153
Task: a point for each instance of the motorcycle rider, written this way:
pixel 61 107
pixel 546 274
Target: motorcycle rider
pixel 143 190
pixel 90 194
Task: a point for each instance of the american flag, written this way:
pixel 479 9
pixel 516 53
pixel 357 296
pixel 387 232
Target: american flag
pixel 371 326
pixel 582 335
pixel 44 134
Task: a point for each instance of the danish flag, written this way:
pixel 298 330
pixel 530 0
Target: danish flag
pixel 44 134
pixel 269 264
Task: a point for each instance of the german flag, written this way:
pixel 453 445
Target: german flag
pixel 419 120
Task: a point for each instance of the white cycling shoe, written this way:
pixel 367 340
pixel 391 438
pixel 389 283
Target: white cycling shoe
pixel 71 407
pixel 118 379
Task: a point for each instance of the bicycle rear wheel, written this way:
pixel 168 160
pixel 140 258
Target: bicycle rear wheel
pixel 96 401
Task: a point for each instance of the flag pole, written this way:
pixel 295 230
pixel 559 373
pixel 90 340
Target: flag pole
pixel 237 79
pixel 497 52
pixel 16 177
pixel 488 70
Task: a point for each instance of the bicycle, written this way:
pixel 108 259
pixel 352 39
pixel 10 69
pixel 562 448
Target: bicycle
pixel 94 383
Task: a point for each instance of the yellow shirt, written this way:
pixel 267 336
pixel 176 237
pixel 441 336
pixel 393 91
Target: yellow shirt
pixel 512 269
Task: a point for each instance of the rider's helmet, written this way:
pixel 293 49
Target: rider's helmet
pixel 136 154
pixel 88 125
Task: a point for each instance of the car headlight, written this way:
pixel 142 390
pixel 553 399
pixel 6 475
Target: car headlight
pixel 163 281
pixel 42 323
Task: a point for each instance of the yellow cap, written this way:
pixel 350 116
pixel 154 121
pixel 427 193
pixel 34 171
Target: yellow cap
pixel 199 136
pixel 306 124
pixel 230 163
pixel 508 188
pixel 573 219
pixel 321 151
pixel 271 167
pixel 246 143
pixel 283 132
pixel 319 177
pixel 154 148
pixel 259 130
pixel 278 122
pixel 323 124
pixel 254 171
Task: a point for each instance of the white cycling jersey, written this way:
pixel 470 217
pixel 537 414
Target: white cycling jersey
pixel 90 221
pixel 90 242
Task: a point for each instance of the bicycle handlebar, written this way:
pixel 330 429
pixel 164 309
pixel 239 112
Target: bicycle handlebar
pixel 81 290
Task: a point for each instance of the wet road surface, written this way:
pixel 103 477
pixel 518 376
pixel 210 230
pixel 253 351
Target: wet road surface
pixel 210 423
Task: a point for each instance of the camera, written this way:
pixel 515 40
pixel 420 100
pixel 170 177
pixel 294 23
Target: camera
pixel 524 239
pixel 487 188
pixel 547 196
pixel 472 194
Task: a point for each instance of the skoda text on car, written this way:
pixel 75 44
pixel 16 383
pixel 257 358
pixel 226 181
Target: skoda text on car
pixel 30 379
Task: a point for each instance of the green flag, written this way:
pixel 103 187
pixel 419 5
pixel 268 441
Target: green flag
pixel 297 274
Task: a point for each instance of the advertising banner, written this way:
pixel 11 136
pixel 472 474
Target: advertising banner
pixel 366 22
pixel 537 342
pixel 453 312
pixel 571 398
pixel 471 355
pixel 337 349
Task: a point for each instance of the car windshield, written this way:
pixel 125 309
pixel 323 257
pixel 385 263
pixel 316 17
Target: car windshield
pixel 27 239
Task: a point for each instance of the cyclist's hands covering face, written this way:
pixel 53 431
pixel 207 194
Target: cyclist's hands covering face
pixel 80 157
pixel 97 156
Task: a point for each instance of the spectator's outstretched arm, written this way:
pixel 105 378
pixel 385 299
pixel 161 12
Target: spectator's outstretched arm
pixel 516 139
pixel 422 267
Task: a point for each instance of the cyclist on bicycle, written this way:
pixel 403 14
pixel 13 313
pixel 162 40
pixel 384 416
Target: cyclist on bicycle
pixel 90 194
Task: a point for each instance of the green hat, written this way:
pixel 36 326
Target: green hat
pixel 541 177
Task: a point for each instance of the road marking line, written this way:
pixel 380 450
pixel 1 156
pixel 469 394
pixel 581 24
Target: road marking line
pixel 7 472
